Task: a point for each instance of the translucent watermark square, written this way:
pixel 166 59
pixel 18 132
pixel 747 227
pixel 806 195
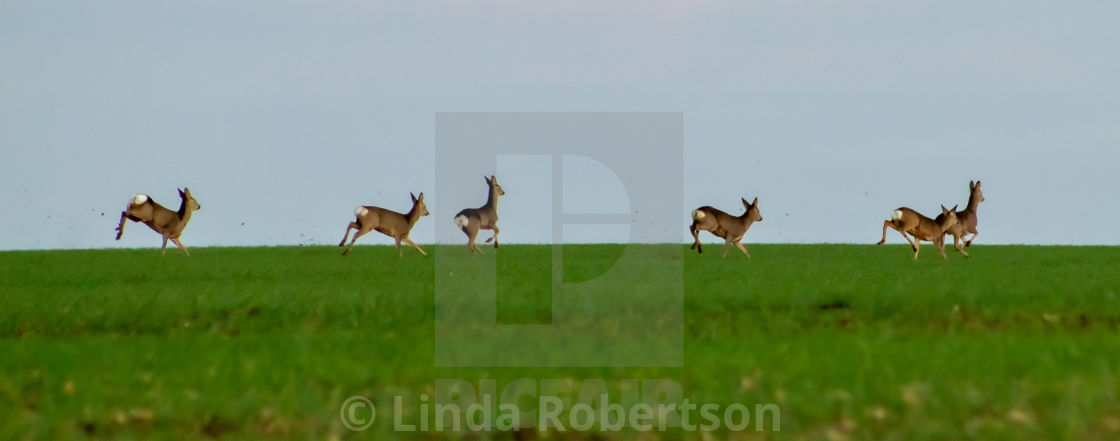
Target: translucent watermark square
pixel 631 313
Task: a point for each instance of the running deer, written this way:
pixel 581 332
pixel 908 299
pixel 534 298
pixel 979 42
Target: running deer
pixel 387 222
pixel 730 228
pixel 167 223
pixel 966 219
pixel 907 221
pixel 470 220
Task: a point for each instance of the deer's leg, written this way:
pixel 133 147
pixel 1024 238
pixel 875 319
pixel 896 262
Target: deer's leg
pixel 399 252
pixel 743 249
pixel 886 224
pixel 957 245
pixel 913 243
pixel 357 234
pixel 916 243
pixel 164 246
pixel 968 242
pixel 940 244
pixel 696 237
pixel 180 245
pixel 725 244
pixel 494 237
pixel 120 226
pixel 414 245
pixel 470 237
pixel 351 226
pixel 472 233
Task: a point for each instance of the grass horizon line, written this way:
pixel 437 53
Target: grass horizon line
pixel 505 244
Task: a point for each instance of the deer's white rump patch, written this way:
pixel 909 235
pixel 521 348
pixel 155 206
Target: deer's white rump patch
pixel 139 199
pixel 361 211
pixel 897 215
pixel 697 215
pixel 462 221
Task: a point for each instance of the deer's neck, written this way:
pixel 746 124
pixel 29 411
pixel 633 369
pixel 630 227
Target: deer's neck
pixel 973 203
pixel 184 211
pixel 413 216
pixel 491 202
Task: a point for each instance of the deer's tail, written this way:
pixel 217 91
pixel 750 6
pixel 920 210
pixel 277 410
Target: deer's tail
pixel 462 221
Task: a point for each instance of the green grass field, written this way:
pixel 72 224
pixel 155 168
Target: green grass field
pixel 852 342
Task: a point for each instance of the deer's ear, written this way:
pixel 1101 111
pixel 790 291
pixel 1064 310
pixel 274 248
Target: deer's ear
pixel 755 201
pixel 421 198
pixel 955 207
pixel 977 184
pixel 181 194
pixel 412 196
pixel 745 203
pixel 971 185
pixel 493 179
pixel 486 179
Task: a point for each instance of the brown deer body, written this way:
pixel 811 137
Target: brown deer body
pixel 387 222
pixel 471 220
pixel 966 219
pixel 167 223
pixel 730 228
pixel 907 221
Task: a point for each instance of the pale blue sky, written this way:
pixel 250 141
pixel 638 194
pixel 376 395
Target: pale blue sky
pixel 284 115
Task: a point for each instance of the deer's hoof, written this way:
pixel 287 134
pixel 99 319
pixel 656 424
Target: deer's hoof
pixel 880 242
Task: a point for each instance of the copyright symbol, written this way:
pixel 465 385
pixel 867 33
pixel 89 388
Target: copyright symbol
pixel 353 415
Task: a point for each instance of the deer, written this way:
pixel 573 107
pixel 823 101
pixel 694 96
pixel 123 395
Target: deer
pixel 966 219
pixel 908 221
pixel 730 228
pixel 390 223
pixel 470 220
pixel 169 224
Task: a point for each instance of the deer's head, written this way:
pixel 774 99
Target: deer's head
pixel 418 204
pixel 948 218
pixel 752 213
pixel 189 200
pixel 974 191
pixel 494 187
